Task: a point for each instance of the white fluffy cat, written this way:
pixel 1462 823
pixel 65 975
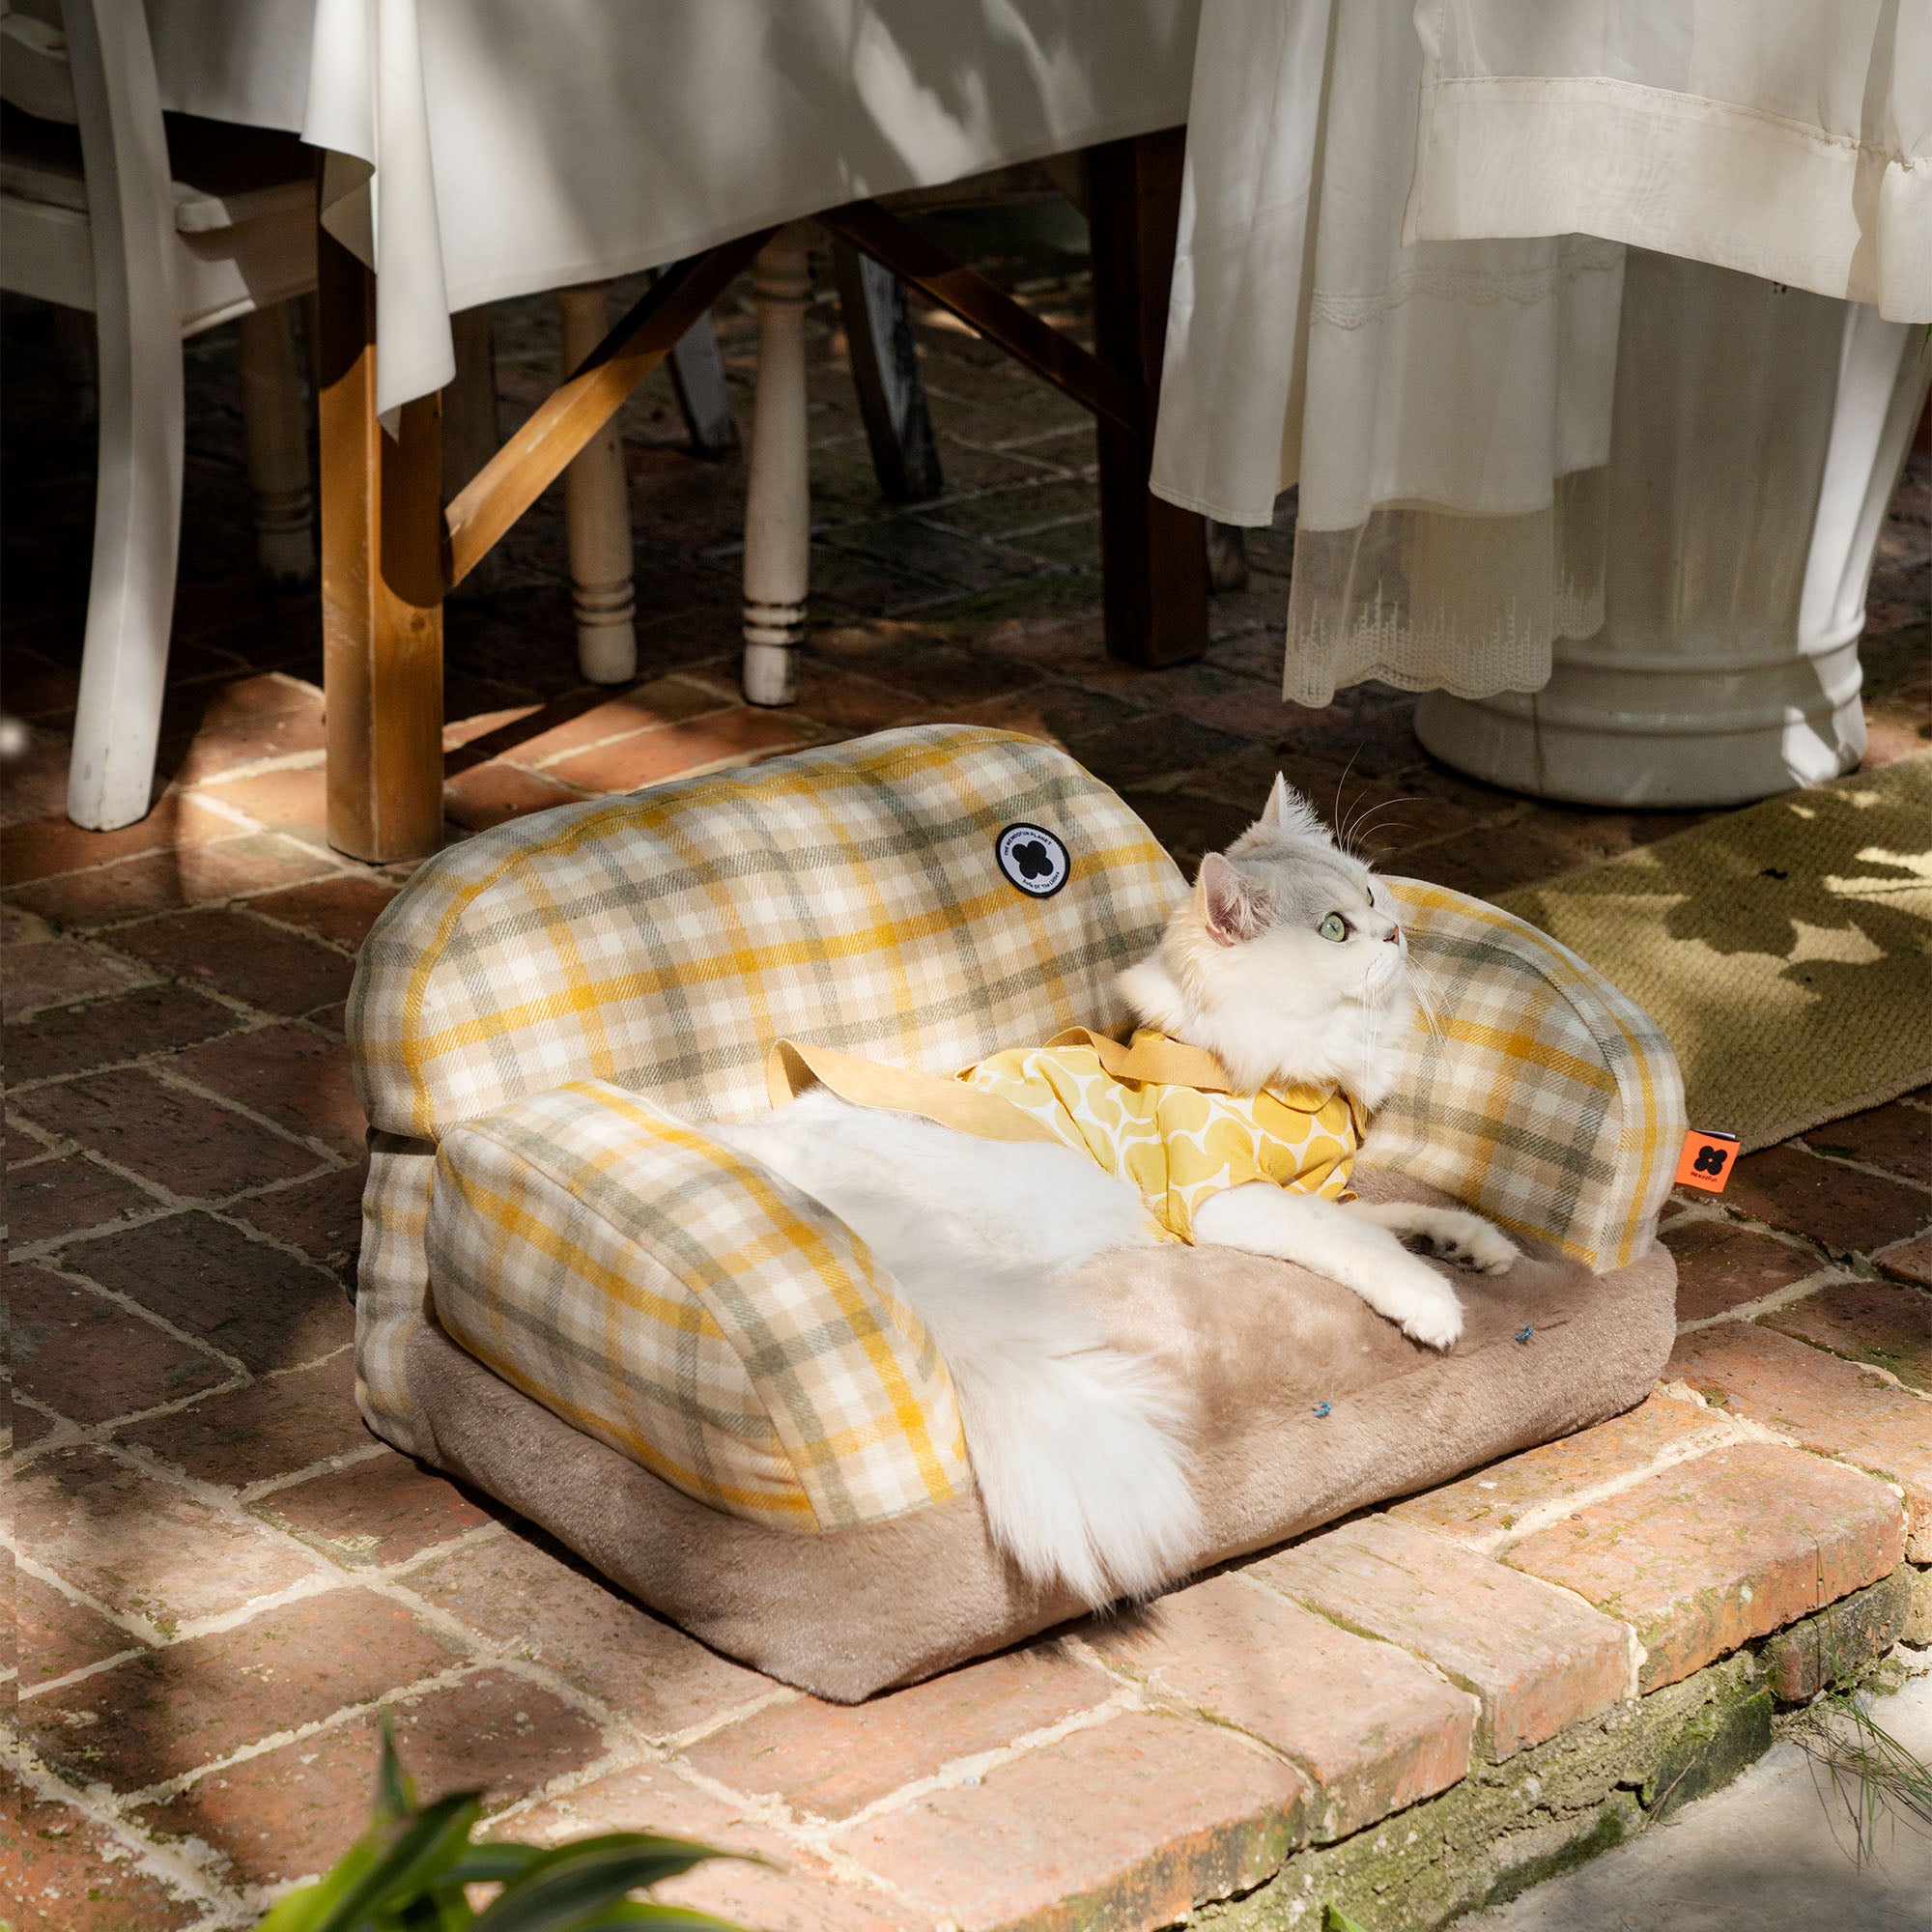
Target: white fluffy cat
pixel 1287 963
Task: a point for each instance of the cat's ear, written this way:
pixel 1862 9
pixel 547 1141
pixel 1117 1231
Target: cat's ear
pixel 1232 904
pixel 1290 816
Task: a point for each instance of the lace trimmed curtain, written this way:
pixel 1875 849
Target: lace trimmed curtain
pixel 1445 408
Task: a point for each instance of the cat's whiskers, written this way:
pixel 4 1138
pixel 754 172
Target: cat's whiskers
pixel 1427 1009
pixel 1362 819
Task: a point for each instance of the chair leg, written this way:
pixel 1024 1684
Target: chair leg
pixel 469 438
pixel 597 510
pixel 131 594
pixel 137 496
pixel 778 499
pixel 1226 557
pixel 698 375
pixel 885 373
pixel 274 422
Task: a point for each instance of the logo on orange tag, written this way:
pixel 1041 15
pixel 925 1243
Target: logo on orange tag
pixel 1707 1160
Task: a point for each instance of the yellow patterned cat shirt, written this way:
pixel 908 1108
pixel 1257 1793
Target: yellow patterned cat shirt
pixel 1155 1113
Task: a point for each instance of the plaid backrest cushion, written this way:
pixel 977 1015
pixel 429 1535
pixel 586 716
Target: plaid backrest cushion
pixel 849 896
pixel 1534 1091
pixel 693 1310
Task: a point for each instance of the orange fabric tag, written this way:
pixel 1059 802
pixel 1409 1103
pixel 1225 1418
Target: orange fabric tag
pixel 1707 1160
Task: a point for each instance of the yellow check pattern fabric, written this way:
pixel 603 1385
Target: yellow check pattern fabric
pixel 662 941
pixel 697 1314
pixel 1176 1144
pixel 1534 1091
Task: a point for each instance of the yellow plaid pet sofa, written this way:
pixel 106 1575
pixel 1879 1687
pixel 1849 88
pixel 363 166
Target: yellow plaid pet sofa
pixel 697 1378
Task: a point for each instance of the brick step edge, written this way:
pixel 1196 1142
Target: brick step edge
pixel 1507 1827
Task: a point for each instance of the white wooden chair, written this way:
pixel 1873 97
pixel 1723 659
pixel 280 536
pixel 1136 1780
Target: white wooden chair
pixel 161 231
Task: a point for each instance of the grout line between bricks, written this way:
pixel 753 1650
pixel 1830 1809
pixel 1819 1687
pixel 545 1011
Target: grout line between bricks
pixel 1724 1434
pixel 177 1875
pixel 166 1788
pixel 1829 1275
pixel 738 1714
pixel 26 1692
pixel 136 1627
pixel 118 1297
pixel 1864 1167
pixel 184 1083
pixel 328 1465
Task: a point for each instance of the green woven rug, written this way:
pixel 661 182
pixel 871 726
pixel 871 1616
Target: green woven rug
pixel 1785 950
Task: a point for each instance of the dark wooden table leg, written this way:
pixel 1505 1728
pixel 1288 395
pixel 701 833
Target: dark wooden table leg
pixel 1154 557
pixel 382 586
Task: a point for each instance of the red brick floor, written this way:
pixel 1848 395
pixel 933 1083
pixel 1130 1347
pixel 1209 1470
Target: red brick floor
pixel 221 1575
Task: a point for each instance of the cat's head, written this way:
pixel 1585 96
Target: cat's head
pixel 1286 960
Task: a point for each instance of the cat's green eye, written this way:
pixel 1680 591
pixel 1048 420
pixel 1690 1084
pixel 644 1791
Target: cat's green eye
pixel 1334 926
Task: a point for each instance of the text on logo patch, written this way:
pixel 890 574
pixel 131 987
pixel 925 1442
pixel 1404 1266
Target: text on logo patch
pixel 1707 1160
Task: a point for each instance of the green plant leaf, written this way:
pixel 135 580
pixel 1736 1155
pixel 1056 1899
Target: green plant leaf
pixel 577 1880
pixel 395 1788
pixel 415 1852
pixel 1335 1920
pixel 496 1860
pixel 311 1907
pixel 444 1908
pixel 666 1918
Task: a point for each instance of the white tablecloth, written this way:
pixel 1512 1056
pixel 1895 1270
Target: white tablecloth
pixel 1446 405
pixel 1433 401
pixel 490 147
pixel 1788 138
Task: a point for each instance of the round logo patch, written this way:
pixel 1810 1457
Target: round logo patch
pixel 1033 860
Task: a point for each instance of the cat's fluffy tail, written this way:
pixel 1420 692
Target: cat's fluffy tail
pixel 1080 1452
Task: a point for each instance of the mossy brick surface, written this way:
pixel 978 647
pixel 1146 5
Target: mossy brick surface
pixel 1887 1325
pixel 1509 1826
pixel 1834 1407
pixel 1841 1642
pixel 1918 1619
pixel 1371 1727
pixel 1535 1658
pixel 1483 1509
pixel 1707 1555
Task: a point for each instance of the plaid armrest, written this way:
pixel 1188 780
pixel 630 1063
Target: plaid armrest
pixel 666 1294
pixel 1534 1090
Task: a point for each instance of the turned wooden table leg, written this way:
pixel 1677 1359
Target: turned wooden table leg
pixel 778 504
pixel 1154 557
pixel 274 428
pixel 382 586
pixel 597 512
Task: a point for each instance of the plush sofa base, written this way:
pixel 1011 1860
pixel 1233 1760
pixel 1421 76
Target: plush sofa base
pixel 1260 1346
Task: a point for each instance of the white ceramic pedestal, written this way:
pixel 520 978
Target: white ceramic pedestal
pixel 1758 434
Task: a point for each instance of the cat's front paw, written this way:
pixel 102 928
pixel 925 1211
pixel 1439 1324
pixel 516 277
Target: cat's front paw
pixel 1486 1249
pixel 1424 1306
pixel 1470 1241
pixel 1436 1322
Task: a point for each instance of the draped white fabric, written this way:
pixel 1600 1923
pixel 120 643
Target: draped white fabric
pixel 480 149
pixel 1788 138
pixel 1441 406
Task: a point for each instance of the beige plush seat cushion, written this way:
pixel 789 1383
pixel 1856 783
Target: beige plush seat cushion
pixel 1260 1345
